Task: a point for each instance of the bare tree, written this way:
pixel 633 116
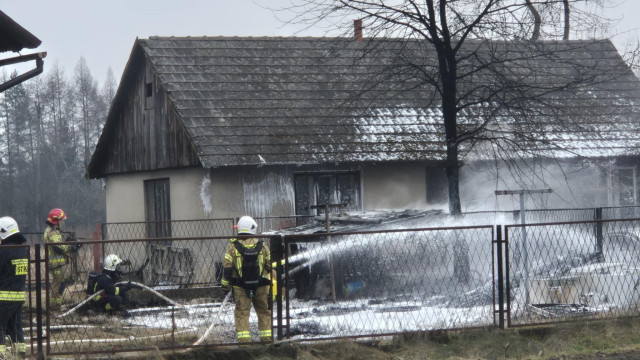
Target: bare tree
pixel 454 47
pixel 87 100
pixel 537 20
pixel 109 87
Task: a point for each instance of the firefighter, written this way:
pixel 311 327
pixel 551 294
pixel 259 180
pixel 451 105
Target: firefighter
pixel 59 256
pixel 14 265
pixel 111 297
pixel 247 271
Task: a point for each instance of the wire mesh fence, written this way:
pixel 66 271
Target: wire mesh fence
pixel 166 229
pixel 350 284
pixel 557 271
pixel 170 305
pixel 373 283
pixel 384 282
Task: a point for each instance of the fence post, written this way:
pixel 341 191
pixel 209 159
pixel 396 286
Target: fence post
pixel 599 236
pixel 38 270
pixel 500 263
pixel 96 249
pixel 276 257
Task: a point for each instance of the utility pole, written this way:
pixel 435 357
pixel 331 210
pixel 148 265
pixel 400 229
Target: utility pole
pixel 525 259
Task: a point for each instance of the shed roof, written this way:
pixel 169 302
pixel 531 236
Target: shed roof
pixel 257 101
pixel 14 37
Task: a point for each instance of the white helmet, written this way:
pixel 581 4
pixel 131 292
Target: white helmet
pixel 8 227
pixel 246 225
pixel 111 262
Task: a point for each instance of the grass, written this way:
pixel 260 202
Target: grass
pixel 577 340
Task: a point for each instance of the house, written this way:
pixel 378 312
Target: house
pixel 218 127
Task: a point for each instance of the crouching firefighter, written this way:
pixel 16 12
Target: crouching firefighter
pixel 247 269
pixel 111 297
pixel 14 265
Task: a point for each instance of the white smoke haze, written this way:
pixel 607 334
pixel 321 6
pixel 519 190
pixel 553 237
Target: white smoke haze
pixel 574 184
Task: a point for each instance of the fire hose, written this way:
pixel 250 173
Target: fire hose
pixel 215 321
pixel 134 284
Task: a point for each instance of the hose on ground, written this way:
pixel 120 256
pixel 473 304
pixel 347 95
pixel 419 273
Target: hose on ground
pixel 215 321
pixel 134 284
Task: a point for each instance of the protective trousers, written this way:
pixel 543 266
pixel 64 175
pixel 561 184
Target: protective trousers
pixel 59 275
pixel 260 303
pixel 11 324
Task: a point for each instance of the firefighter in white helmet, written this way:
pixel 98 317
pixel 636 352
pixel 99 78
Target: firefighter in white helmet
pixel 14 265
pixel 247 270
pixel 112 296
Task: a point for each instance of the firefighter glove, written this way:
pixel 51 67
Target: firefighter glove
pixel 58 250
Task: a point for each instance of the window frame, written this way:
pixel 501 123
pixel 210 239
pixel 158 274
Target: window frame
pixel 313 180
pixel 157 201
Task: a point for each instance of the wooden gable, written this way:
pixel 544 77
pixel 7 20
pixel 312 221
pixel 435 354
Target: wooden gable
pixel 143 132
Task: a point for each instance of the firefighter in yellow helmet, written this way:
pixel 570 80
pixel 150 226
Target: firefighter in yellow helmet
pixel 247 269
pixel 59 255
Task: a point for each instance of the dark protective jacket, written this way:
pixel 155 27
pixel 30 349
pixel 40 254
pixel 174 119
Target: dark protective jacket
pixel 107 282
pixel 14 266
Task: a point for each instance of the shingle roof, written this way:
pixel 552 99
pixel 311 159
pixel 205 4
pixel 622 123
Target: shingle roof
pixel 255 101
pixel 14 37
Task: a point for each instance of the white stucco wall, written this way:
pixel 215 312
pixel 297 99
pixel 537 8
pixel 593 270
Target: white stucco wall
pixel 125 194
pixel 204 194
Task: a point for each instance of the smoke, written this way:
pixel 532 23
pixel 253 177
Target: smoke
pixel 573 184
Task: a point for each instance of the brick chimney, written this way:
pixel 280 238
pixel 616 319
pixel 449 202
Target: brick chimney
pixel 357 29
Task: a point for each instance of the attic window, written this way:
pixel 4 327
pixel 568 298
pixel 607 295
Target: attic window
pixel 148 90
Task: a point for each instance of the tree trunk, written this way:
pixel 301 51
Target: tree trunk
pixel 537 21
pixel 567 11
pixel 450 114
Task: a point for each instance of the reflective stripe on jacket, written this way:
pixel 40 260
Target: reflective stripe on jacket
pixel 14 267
pixel 13 296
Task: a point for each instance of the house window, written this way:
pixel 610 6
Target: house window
pixel 624 189
pixel 148 90
pixel 158 207
pixel 326 188
pixel 437 186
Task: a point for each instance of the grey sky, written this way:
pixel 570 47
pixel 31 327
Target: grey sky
pixel 103 31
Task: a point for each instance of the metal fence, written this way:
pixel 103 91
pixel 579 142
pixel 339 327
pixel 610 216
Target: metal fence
pixel 385 282
pixel 172 307
pixel 559 271
pixel 551 215
pixel 167 229
pixel 350 284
